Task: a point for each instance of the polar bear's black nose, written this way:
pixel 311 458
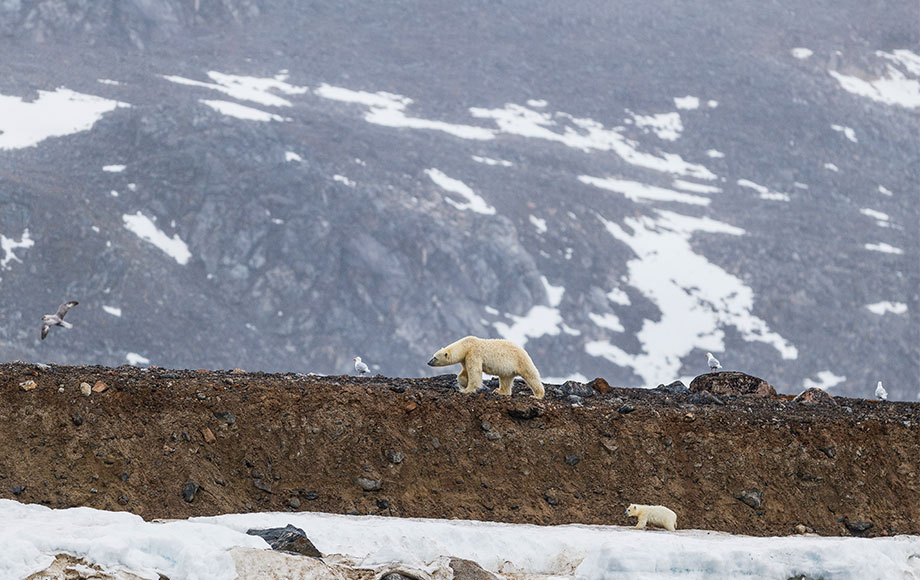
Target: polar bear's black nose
pixel 432 362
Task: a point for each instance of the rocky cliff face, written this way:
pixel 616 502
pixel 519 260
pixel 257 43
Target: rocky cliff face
pixel 381 181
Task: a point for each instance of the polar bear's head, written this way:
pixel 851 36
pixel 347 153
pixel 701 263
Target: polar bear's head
pixel 632 510
pixel 442 358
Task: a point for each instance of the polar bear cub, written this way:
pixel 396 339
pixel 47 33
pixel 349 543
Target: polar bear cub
pixel 492 356
pixel 657 515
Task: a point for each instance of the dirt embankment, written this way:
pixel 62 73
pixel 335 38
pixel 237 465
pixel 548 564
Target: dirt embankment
pixel 173 444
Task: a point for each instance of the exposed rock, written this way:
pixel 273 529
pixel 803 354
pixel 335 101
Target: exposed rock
pixel 294 502
pixel 493 435
pixel 469 570
pixel 27 385
pixel 751 497
pixel 578 389
pixel 675 388
pixel 574 400
pixel 86 389
pixel 17 489
pixel 572 459
pixel 189 490
pixel 368 484
pixel 600 385
pixel 704 398
pixel 100 387
pixel 830 451
pixel 395 457
pixel 858 527
pixel 288 539
pixel 814 396
pixel 525 413
pixel 225 416
pixel 208 435
pixel 262 485
pixel 732 383
pixel 626 409
pixel 803 529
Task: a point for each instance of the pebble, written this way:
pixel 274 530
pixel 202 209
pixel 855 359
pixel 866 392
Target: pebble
pixel 189 490
pixel 262 484
pixel 395 457
pixel 625 409
pixel 27 385
pixel 17 489
pixel 100 387
pixel 86 389
pixel 858 527
pixel 294 503
pixel 572 459
pixel 368 484
pixel 208 435
pixel 753 498
pixel 493 435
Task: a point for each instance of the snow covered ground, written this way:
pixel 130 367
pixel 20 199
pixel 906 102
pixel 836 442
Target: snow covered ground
pixel 210 548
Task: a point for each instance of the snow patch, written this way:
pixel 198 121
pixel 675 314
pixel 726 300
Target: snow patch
pixel 135 359
pixel 344 180
pixel 895 88
pixel 831 167
pixel 538 223
pixel 490 161
pixel 585 135
pixel 666 126
pixel 145 229
pixel 53 114
pixel 7 245
pixel 881 308
pixel 539 321
pixel 239 111
pixel 802 53
pixel 696 298
pixel 714 153
pixel 291 156
pixel 245 88
pixel 765 193
pixel 687 103
pixel 609 321
pixel 113 168
pixel 825 380
pixel 113 310
pixel 695 187
pixel 884 248
pixel 880 218
pixel 848 132
pixel 389 110
pixel 473 202
pixel 884 190
pixel 640 192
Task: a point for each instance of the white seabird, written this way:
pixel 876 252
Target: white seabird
pixel 713 362
pixel 880 392
pixel 57 319
pixel 360 367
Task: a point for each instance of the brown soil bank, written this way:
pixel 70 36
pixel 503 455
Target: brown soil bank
pixel 417 447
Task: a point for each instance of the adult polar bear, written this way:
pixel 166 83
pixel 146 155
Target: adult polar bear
pixel 493 356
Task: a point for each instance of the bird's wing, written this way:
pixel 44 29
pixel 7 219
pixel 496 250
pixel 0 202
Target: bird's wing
pixel 65 307
pixel 45 328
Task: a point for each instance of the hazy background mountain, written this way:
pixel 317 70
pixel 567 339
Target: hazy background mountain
pixel 620 187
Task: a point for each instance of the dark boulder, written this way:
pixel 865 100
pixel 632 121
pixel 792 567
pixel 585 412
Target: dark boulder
pixel 732 383
pixel 814 396
pixel 288 539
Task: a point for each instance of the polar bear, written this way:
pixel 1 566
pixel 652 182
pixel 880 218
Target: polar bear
pixel 657 515
pixel 493 356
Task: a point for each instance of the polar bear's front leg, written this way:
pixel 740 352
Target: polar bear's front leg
pixel 643 520
pixel 473 368
pixel 504 385
pixel 462 377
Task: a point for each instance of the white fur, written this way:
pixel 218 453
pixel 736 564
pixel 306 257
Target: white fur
pixel 493 356
pixel 657 515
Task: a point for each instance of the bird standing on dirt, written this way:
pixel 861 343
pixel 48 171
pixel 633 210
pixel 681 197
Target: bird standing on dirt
pixel 360 367
pixel 713 362
pixel 880 392
pixel 57 319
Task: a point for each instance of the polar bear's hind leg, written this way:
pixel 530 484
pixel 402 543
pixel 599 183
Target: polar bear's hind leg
pixel 504 385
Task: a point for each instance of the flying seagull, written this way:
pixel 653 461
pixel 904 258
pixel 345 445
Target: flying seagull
pixel 360 367
pixel 713 362
pixel 880 392
pixel 57 319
